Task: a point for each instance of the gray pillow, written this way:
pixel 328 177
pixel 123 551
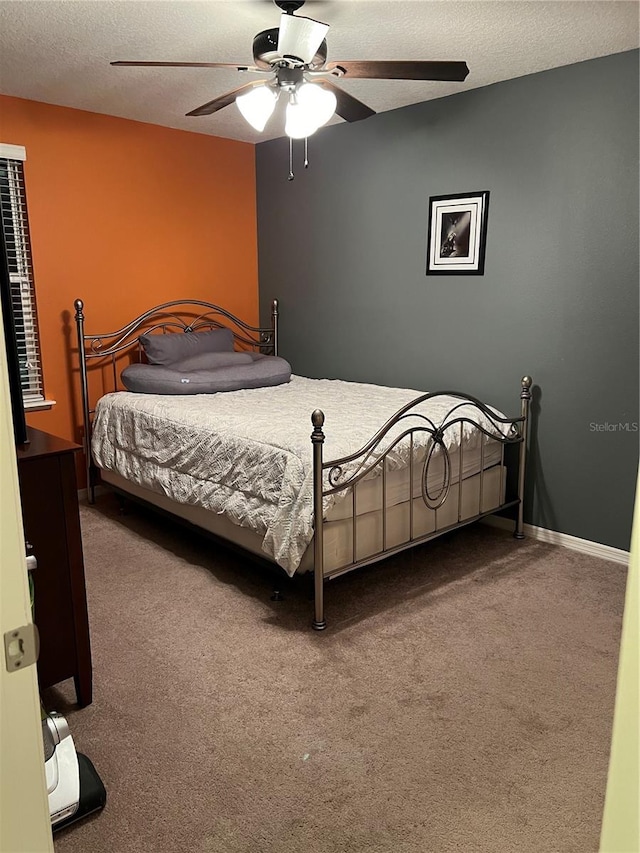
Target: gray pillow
pixel 158 379
pixel 211 360
pixel 174 346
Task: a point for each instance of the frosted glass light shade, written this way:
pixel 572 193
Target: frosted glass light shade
pixel 301 37
pixel 257 105
pixel 318 101
pixel 300 121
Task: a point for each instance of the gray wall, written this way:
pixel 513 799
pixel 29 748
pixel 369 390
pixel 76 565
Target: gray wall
pixel 343 247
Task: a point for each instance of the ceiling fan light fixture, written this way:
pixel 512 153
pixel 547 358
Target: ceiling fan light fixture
pixel 317 100
pixel 300 37
pixel 257 105
pixel 295 55
pixel 300 121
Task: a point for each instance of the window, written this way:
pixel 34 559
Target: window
pixel 15 233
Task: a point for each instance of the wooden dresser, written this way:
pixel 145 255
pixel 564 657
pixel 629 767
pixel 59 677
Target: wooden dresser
pixel 49 492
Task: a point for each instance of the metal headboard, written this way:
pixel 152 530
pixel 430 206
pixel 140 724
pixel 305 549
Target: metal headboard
pixel 183 315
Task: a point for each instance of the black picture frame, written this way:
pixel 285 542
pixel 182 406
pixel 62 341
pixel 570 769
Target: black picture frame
pixel 457 233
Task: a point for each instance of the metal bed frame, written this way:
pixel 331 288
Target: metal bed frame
pixel 331 477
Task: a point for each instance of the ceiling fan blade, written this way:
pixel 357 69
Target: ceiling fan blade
pixel 402 70
pixel 348 107
pixel 223 100
pixel 300 37
pixel 188 65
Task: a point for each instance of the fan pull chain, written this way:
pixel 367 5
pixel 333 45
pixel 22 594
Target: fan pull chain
pixel 291 175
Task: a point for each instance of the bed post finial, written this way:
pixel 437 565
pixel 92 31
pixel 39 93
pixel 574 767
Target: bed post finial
pixel 274 325
pixel 317 438
pixel 525 398
pixel 84 386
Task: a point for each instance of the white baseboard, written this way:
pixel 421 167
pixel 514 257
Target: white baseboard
pixel 541 534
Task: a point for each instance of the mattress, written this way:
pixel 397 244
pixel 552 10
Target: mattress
pixel 338 538
pixel 247 455
pixel 369 491
pixel 404 523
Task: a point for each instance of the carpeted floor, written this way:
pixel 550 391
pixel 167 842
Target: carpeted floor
pixel 461 699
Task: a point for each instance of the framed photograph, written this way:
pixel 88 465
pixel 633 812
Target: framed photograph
pixel 457 233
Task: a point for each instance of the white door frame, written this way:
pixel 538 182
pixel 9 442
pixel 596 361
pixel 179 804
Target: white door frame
pixel 25 824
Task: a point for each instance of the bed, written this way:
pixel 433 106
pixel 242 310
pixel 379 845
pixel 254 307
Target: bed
pixel 313 475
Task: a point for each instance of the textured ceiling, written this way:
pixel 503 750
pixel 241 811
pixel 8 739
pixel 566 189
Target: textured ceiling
pixel 59 52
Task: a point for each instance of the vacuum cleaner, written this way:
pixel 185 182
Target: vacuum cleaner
pixel 75 790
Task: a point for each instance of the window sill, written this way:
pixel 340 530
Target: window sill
pixel 39 405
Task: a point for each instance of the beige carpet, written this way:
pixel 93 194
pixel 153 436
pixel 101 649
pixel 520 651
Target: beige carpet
pixel 461 699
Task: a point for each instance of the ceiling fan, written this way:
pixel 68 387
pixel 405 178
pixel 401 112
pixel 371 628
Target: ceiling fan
pixel 295 54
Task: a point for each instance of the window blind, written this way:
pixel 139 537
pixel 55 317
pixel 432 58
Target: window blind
pixel 15 233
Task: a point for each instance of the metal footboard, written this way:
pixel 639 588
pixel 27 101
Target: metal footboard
pixel 412 426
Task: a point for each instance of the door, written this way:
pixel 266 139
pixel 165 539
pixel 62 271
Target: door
pixel 24 809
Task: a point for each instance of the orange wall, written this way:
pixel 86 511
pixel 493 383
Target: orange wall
pixel 127 215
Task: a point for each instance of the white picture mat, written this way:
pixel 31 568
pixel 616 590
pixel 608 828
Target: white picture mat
pixel 472 258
